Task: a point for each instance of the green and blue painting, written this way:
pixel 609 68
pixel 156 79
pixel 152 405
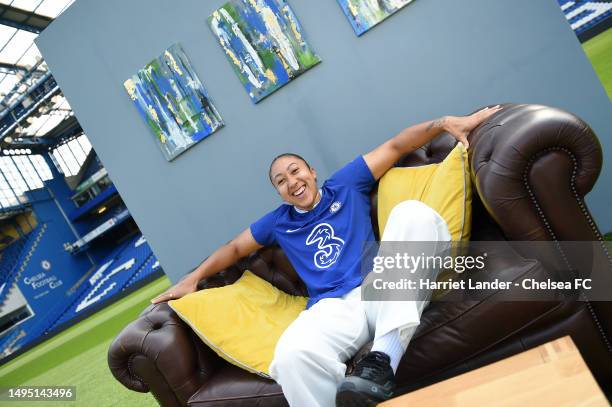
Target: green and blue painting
pixel 173 102
pixel 264 42
pixel 365 14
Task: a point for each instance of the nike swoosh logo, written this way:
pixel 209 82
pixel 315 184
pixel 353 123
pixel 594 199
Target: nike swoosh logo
pixel 293 230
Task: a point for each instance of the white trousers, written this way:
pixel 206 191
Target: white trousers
pixel 309 359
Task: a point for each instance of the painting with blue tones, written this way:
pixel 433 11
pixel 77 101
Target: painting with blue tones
pixel 264 42
pixel 365 14
pixel 173 102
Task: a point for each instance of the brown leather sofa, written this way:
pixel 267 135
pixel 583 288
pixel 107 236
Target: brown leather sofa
pixel 531 167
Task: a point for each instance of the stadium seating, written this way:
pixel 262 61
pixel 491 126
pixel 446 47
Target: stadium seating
pixel 127 264
pixel 15 258
pixel 585 14
pixel 109 279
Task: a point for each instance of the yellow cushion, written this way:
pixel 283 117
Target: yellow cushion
pixel 241 322
pixel 445 187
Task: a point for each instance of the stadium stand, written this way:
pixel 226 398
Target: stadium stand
pixel 587 18
pixel 128 264
pixel 150 266
pixel 59 312
pixel 15 258
pixel 8 261
pixel 84 253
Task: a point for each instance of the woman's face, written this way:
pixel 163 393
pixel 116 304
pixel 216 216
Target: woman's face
pixel 295 182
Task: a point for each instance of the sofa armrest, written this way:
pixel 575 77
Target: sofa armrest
pixel 532 166
pixel 159 353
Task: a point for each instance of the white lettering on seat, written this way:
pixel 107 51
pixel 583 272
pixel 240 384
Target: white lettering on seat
pixel 593 8
pixel 91 299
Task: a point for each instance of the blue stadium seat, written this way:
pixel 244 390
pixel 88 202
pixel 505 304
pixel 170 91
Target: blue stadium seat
pixel 129 263
pixel 585 14
pixel 14 256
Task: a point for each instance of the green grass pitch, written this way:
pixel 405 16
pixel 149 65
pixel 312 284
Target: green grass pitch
pixel 77 357
pixel 599 52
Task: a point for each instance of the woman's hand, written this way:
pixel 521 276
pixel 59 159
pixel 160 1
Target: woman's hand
pixel 460 126
pixel 186 286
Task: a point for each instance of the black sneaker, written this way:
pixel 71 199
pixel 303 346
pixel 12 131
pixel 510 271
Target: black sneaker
pixel 371 382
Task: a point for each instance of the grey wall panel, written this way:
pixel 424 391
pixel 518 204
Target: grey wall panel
pixel 435 57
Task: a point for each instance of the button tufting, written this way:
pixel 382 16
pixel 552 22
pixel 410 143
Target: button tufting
pixel 554 237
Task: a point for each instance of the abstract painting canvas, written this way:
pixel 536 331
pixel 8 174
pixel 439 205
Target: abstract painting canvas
pixel 365 14
pixel 173 102
pixel 264 42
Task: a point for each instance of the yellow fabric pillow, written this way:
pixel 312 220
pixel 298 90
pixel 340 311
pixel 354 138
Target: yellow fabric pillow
pixel 446 187
pixel 241 322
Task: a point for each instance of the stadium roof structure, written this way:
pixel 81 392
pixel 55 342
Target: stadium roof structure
pixel 36 122
pixel 31 103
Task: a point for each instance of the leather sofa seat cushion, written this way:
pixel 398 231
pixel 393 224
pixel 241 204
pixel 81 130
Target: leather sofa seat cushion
pixel 231 386
pixel 457 327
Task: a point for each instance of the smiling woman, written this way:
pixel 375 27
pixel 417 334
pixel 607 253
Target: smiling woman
pixel 321 231
pixel 295 181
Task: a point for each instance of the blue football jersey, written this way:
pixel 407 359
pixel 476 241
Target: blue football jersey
pixel 325 244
